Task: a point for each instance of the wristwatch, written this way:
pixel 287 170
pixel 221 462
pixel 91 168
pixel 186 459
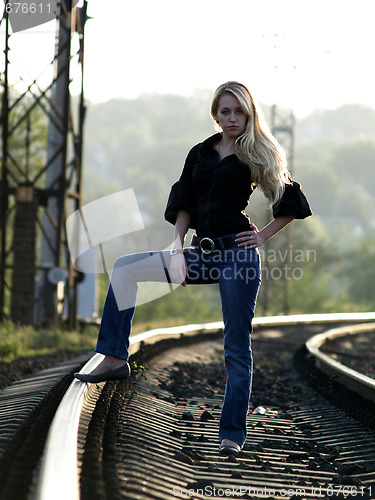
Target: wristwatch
pixel 175 251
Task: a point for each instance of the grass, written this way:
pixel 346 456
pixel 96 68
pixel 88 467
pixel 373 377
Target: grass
pixel 18 341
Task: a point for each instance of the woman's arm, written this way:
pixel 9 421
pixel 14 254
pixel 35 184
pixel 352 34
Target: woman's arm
pixel 255 238
pixel 177 269
pixel 180 229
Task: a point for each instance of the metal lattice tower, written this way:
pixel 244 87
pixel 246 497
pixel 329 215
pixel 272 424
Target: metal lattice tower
pixel 41 134
pixel 282 124
pixel 283 129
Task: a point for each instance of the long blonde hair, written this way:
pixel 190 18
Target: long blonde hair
pixel 257 147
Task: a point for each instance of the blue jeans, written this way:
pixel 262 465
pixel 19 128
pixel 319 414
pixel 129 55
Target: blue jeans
pixel 237 271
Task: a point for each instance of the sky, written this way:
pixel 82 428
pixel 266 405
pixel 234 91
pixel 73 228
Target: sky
pixel 297 54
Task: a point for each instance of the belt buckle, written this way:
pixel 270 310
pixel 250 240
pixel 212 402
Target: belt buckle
pixel 207 241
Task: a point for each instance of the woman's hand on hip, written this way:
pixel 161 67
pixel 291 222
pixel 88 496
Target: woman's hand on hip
pixel 250 239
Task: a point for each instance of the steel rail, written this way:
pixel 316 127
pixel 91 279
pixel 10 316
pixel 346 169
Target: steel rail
pixel 58 478
pixel 352 379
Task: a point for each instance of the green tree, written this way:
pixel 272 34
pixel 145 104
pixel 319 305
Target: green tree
pixel 359 274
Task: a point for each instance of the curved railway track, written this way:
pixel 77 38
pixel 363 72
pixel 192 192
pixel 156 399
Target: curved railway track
pixel 329 364
pixel 352 347
pixel 155 435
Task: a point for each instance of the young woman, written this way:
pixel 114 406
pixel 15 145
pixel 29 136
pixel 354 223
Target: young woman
pixel 211 196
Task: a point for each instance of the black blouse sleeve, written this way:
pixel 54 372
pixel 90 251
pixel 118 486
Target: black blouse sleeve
pixel 181 196
pixel 293 202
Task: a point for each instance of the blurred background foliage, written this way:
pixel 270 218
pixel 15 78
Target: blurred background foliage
pixel 142 144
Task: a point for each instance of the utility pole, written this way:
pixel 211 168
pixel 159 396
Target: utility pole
pixel 4 186
pixel 36 190
pixel 55 185
pixel 282 126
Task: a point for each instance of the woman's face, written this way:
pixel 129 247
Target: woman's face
pixel 230 116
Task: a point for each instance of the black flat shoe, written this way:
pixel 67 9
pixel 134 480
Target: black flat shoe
pixel 226 449
pixel 119 374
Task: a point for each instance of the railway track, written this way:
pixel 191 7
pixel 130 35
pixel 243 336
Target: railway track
pixel 352 347
pixel 155 436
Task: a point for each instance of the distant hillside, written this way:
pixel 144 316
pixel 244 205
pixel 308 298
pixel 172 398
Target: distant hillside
pixel 142 144
pixel 347 124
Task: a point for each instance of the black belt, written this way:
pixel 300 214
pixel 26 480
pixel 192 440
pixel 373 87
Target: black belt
pixel 209 245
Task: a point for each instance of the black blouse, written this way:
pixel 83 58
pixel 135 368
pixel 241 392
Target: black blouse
pixel 216 193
